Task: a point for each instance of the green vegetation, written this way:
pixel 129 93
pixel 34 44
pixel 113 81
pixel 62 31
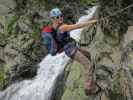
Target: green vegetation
pixel 2 78
pixel 13 23
pixel 3 73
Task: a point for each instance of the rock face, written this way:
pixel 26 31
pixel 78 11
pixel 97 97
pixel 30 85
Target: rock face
pixel 19 58
pixel 109 25
pixel 20 47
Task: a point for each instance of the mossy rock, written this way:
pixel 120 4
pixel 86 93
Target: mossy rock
pixel 74 83
pixel 3 76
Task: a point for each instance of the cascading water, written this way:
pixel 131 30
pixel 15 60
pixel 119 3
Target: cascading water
pixel 42 86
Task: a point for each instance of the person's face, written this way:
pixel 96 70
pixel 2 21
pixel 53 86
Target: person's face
pixel 58 19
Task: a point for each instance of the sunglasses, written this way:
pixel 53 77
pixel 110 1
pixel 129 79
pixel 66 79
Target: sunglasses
pixel 59 17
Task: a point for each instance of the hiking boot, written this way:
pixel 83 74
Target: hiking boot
pixel 91 87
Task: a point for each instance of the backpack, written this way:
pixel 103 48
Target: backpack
pixel 53 32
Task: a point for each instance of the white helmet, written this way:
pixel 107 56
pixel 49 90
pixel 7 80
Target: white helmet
pixel 55 12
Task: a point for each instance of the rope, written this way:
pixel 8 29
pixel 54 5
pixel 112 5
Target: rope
pixel 114 14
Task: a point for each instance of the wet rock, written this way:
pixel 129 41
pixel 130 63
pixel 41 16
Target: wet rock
pixel 19 54
pixel 19 57
pixel 127 57
pixel 6 6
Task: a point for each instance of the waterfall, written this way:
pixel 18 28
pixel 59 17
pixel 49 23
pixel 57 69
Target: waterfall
pixel 41 87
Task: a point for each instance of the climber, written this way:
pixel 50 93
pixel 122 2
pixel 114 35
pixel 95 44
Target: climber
pixel 57 39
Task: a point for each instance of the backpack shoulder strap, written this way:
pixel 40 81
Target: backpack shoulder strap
pixel 50 30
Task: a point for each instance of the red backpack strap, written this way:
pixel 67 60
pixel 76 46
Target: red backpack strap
pixel 47 29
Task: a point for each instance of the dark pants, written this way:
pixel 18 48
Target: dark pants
pixel 83 57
